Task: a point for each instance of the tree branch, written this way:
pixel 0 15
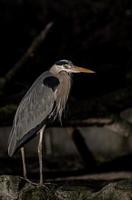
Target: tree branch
pixel 29 53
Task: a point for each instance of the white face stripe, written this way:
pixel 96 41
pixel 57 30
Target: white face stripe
pixel 67 69
pixel 60 68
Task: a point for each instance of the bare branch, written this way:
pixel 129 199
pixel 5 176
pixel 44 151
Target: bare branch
pixel 89 122
pixel 103 176
pixel 29 53
pixel 114 123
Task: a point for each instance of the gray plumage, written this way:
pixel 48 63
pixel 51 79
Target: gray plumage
pixel 38 105
pixel 45 100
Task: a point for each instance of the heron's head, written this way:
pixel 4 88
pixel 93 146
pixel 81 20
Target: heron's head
pixel 69 67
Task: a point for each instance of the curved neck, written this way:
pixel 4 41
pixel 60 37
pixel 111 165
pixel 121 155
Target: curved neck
pixel 62 91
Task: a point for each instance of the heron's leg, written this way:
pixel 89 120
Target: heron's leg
pixel 23 163
pixel 40 155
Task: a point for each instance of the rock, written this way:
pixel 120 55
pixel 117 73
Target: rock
pixel 16 188
pixel 35 193
pixel 9 187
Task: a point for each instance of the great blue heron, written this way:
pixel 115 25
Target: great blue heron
pixel 45 100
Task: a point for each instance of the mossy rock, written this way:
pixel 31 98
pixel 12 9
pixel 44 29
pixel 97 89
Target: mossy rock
pixel 16 188
pixel 34 193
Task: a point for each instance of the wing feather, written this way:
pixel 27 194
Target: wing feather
pixel 34 109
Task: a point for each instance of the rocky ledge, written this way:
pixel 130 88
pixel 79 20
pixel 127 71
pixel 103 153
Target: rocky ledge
pixel 16 188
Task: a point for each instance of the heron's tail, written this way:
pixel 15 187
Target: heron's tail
pixel 12 143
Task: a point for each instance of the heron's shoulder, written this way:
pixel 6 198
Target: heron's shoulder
pixel 48 79
pixel 51 82
pixel 45 76
pixel 39 82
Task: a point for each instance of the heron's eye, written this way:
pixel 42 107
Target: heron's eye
pixel 67 66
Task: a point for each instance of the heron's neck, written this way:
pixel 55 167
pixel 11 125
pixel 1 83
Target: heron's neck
pixel 62 91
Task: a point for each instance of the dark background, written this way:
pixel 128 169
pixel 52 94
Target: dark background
pixel 90 33
pixel 95 33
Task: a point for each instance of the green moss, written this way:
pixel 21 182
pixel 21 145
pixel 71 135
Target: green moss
pixel 14 188
pixel 73 193
pixel 34 193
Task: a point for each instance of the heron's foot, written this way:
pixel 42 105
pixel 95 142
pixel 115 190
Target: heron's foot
pixel 29 181
pixel 41 184
pixel 34 183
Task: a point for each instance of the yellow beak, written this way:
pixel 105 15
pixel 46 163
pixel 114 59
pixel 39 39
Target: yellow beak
pixel 76 69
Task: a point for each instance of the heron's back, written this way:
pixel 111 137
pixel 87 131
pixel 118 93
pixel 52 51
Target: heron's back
pixel 31 114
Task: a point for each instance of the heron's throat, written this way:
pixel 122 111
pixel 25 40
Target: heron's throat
pixel 62 92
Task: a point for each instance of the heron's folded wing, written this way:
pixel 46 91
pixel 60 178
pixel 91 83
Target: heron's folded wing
pixel 33 110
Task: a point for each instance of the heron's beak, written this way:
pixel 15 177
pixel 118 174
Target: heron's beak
pixel 76 69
